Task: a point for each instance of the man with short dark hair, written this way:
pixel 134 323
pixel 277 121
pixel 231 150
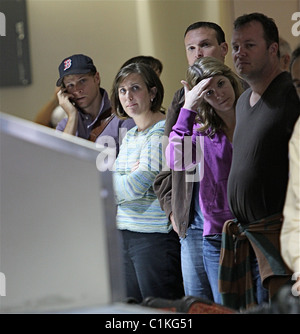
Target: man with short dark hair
pixel 257 184
pixel 87 104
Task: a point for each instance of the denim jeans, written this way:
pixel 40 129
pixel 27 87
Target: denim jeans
pixel 261 294
pixel 195 280
pixel 152 265
pixel 211 256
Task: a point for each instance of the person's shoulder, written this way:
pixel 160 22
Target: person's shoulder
pixel 131 131
pixel 283 89
pixel 159 126
pixel 283 81
pixel 156 130
pixel 245 95
pixel 127 123
pixel 124 123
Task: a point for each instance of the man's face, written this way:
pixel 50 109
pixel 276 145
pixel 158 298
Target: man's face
pixel 202 42
pixel 295 72
pixel 83 87
pixel 249 50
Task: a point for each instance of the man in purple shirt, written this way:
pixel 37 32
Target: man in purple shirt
pixel 88 109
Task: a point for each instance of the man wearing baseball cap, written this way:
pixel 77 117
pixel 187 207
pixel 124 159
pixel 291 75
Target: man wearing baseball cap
pixel 88 109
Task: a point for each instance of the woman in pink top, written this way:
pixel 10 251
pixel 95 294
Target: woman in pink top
pixel 203 135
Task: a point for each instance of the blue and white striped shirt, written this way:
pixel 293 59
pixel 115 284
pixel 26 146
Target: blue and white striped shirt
pixel 138 206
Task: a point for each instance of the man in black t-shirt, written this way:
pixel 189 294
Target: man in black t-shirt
pixel 265 117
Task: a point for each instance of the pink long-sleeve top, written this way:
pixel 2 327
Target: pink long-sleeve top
pixel 189 147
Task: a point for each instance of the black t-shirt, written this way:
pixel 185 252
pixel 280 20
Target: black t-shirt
pixel 259 172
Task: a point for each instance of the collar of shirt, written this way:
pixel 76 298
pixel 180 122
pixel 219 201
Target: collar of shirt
pixel 105 104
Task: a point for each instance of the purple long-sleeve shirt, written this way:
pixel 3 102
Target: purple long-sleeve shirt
pixel 188 147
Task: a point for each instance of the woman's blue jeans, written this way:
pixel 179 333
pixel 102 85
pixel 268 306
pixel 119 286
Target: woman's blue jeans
pixel 211 258
pixel 194 275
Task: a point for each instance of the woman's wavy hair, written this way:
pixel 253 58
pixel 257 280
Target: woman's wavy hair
pixel 151 80
pixel 207 67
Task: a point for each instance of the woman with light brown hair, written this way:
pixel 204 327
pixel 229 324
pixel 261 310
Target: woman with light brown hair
pixel 205 126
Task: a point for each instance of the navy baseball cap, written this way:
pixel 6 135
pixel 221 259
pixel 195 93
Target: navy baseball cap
pixel 76 64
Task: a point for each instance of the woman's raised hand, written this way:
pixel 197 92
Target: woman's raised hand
pixel 194 97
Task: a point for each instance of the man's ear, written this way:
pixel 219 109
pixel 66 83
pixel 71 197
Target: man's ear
pixel 286 59
pixel 97 78
pixel 274 48
pixel 224 49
